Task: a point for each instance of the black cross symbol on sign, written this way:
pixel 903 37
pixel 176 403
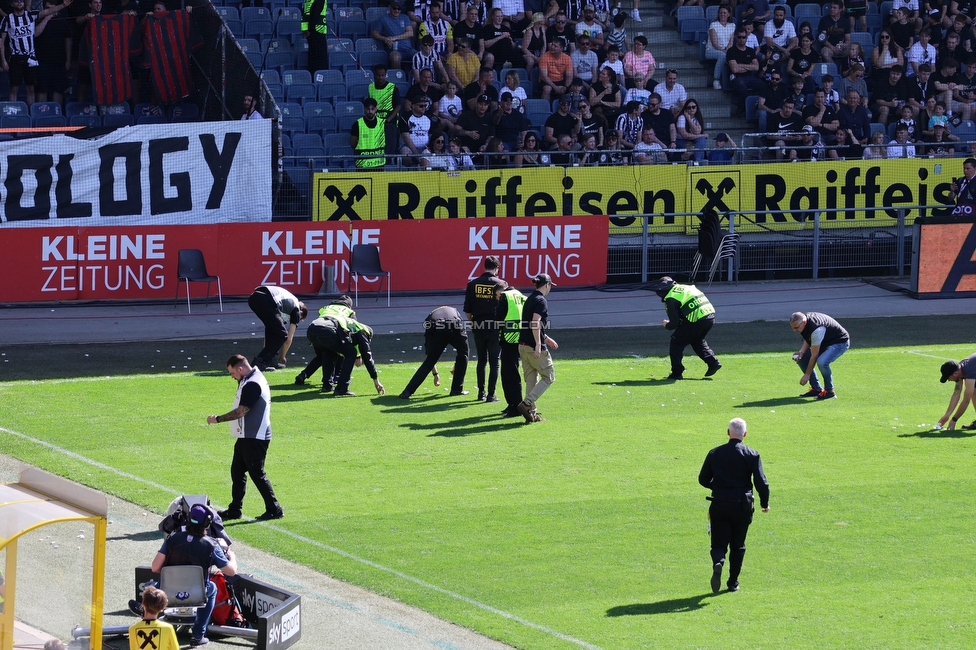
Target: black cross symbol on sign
pixel 344 204
pixel 715 202
pixel 148 639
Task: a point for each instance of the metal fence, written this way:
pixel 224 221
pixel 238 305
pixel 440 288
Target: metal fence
pixel 804 249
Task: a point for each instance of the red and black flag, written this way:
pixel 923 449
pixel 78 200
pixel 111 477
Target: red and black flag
pixel 168 38
pixel 108 43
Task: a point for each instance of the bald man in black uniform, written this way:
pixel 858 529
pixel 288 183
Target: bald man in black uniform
pixel 444 326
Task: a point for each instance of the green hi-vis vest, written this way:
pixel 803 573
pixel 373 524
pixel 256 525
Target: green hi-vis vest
pixel 372 142
pixel 513 316
pixel 340 314
pixel 384 99
pixel 314 18
pixel 694 305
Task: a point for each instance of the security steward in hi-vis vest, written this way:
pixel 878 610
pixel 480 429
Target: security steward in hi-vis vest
pixel 509 316
pixel 368 137
pixel 479 306
pixel 690 317
pixel 337 334
pixel 315 27
pixel 341 307
pixel 388 105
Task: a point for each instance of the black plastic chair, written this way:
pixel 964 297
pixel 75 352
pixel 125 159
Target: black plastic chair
pixel 365 261
pixel 193 268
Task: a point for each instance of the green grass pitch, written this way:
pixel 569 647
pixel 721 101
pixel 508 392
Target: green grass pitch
pixel 588 530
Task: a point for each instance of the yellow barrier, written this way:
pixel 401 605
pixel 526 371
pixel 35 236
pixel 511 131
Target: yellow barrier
pixel 871 190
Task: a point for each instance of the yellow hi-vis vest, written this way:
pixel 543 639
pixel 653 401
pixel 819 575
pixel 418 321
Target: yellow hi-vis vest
pixel 513 316
pixel 372 142
pixel 694 306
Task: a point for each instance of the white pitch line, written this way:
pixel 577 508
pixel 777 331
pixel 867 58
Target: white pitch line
pixel 326 547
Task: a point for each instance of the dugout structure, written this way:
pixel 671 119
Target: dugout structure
pixel 40 499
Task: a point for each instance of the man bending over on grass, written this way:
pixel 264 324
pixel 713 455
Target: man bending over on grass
pixel 963 373
pixel 824 340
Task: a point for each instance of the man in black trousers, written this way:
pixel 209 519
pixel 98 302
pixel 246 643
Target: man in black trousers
pixel 729 472
pixel 479 306
pixel 444 326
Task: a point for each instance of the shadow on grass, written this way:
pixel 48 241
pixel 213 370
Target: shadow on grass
pixel 939 433
pixel 308 394
pixel 146 536
pixel 211 373
pixel 644 382
pixel 774 401
pixel 672 606
pixel 427 404
pixel 459 432
pixel 459 428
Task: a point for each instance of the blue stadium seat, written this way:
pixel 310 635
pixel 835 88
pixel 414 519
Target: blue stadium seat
pixel 692 29
pixel 353 29
pixel 45 109
pixel 375 13
pixel 236 27
pixel 536 106
pixel 336 140
pixel 374 57
pixel 256 59
pixel 327 77
pixel 150 119
pixel 289 13
pixel 688 13
pixel 14 108
pixel 289 28
pixel 342 156
pixel 808 12
pixel 293 124
pixel 300 140
pixel 116 109
pixel 317 108
pixel 367 45
pixel 270 76
pixel 281 62
pixel 358 76
pixel 321 124
pixel 396 75
pixel 276 44
pixel 711 13
pixel 300 92
pixel 117 120
pixel 184 112
pixel 290 77
pixel 50 121
pixel 249 44
pixel 81 108
pixel 878 126
pixel 258 28
pixel 90 120
pixel 228 13
pixel 339 45
pixel 255 13
pixel 357 92
pixel 340 58
pixel 343 14
pixel 537 119
pixel 277 91
pixel 331 92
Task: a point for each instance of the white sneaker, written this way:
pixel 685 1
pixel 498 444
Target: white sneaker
pixel 635 15
pixel 717 85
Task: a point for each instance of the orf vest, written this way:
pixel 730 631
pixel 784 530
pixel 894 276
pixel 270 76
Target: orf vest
pixel 372 142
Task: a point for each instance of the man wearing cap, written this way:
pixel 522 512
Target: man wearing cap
pixel 475 127
pixel 510 125
pixel 824 341
pixel 414 131
pixel 963 374
pixel 555 71
pixel 562 122
pixel 534 346
pixel 250 423
pixel 590 27
pixel 394 31
pixel 690 317
pixel 442 327
pixel 192 547
pixel 784 126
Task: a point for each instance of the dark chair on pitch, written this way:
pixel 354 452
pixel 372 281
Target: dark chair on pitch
pixel 193 268
pixel 365 261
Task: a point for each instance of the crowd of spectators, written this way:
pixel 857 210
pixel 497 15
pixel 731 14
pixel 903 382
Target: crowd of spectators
pixel 820 95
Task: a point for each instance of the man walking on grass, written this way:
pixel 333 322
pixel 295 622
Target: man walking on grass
pixel 730 471
pixel 534 346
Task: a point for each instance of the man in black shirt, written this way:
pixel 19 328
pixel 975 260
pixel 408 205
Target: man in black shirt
pixel 730 471
pixel 821 117
pixel 963 375
pixel 480 304
pixel 562 122
pixel 784 127
pixel 834 33
pixel 743 70
pixel 890 96
pixel 475 127
pixel 442 327
pixel 854 118
pixel 472 30
pixel 661 120
pixel 534 346
pixel 824 340
pixel 965 93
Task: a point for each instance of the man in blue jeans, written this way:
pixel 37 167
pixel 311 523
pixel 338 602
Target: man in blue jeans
pixel 824 340
pixel 194 547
